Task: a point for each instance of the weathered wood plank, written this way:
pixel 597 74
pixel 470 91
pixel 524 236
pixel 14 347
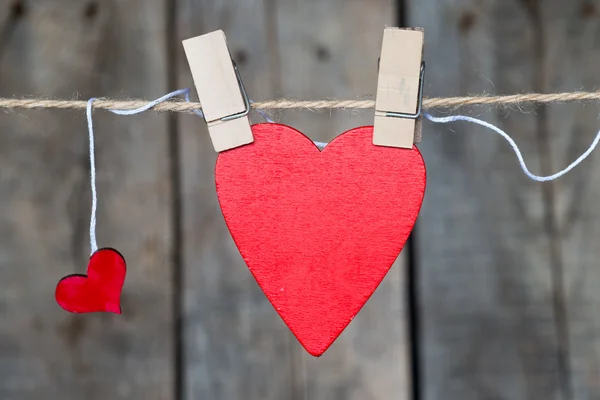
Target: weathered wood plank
pixel 64 48
pixel 571 42
pixel 235 343
pixel 329 49
pixel 485 282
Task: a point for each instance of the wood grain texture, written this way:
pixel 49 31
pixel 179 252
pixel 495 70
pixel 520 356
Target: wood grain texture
pixel 486 286
pixel 240 347
pixel 571 35
pixel 65 48
pixel 235 344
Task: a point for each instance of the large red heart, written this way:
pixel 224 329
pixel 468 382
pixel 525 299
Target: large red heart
pixel 319 230
pixel 100 290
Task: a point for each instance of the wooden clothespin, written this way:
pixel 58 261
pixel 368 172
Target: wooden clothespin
pixel 399 89
pixel 225 103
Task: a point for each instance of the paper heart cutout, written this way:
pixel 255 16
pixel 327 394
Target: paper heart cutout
pixel 99 290
pixel 319 230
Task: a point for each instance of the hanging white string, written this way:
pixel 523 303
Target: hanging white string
pixel 89 110
pixel 93 242
pixel 538 178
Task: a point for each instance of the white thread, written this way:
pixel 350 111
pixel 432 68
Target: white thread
pixel 89 110
pixel 320 145
pixel 538 178
pixel 93 242
pixel 185 92
pixel 263 114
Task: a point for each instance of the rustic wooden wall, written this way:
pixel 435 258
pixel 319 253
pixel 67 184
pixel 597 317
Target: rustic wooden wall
pixel 506 274
pixel 69 48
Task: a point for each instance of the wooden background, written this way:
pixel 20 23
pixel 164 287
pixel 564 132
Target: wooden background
pixel 496 297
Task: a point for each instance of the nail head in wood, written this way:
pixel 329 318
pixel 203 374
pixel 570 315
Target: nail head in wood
pixel 220 90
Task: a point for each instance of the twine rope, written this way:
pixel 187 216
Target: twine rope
pixel 286 104
pixel 439 120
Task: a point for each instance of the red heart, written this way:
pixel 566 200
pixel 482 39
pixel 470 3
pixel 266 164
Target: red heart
pixel 319 230
pixel 100 290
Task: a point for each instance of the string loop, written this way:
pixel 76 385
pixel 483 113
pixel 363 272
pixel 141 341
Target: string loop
pixel 538 178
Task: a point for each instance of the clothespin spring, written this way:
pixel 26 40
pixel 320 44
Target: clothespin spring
pixel 244 96
pixel 420 100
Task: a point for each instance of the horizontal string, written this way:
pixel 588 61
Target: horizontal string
pixel 311 105
pixel 440 120
pixel 511 142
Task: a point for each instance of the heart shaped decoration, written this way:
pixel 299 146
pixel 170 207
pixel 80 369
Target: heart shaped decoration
pixel 319 230
pixel 100 290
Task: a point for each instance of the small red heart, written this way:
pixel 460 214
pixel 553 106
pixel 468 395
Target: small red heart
pixel 319 230
pixel 100 290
